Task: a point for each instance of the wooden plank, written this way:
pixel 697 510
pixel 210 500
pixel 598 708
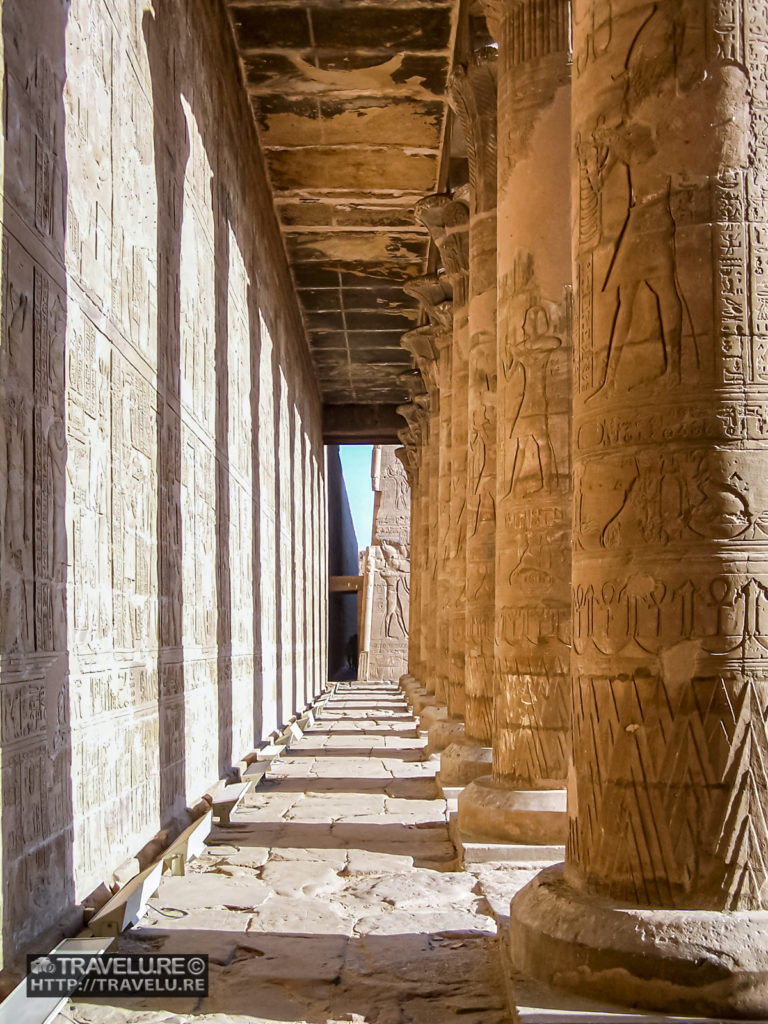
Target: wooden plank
pixel 344 584
pixel 187 846
pixel 255 772
pixel 226 802
pixel 128 906
pixel 18 1008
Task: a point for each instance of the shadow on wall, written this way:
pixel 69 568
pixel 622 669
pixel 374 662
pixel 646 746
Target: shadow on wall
pixel 171 155
pixel 343 560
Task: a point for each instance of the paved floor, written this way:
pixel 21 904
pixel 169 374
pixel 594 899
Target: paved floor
pixel 332 896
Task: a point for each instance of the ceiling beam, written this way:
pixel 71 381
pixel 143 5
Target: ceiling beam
pixel 361 424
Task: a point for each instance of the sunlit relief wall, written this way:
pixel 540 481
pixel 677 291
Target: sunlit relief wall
pixel 152 377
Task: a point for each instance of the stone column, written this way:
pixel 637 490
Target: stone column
pixel 365 617
pixel 664 897
pixel 410 455
pixel 447 220
pixel 473 95
pixel 430 347
pixel 523 801
pixel 419 423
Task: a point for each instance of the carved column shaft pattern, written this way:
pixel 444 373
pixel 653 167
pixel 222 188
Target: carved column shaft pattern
pixel 455 591
pixel 409 455
pixel 430 347
pixel 473 96
pixel 447 221
pixel 426 487
pixel 671 514
pixel 414 458
pixel 532 713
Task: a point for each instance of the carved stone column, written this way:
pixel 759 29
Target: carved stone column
pixel 523 801
pixel 447 221
pixel 411 456
pixel 664 897
pixel 473 95
pixel 431 348
pixel 408 455
pixel 421 419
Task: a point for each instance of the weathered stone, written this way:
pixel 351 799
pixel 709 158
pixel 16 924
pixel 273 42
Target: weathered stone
pixel 534 488
pixel 386 604
pixel 462 762
pixel 146 386
pixel 664 893
pixel 490 811
pixel 473 94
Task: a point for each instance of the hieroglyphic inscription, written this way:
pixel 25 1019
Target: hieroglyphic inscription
pixel 389 561
pixel 670 621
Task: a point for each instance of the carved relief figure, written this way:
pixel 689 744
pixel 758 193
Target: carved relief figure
pixel 396 579
pixel 481 429
pixel 534 463
pixel 400 482
pixel 57 448
pixel 644 253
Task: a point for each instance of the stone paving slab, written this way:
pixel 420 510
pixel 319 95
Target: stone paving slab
pixel 332 895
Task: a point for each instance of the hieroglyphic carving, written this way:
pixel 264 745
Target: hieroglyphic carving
pixel 533 485
pixel 388 640
pixel 669 652
pixel 473 95
pixel 91 436
pixel 447 219
pixel 533 551
pixel 432 350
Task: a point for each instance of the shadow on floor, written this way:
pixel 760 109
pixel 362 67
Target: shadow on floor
pixel 429 977
pixel 363 751
pixel 407 789
pixel 426 842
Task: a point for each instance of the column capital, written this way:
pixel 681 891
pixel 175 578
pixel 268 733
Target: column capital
pixel 408 456
pixel 472 95
pixel 447 220
pixel 434 292
pixel 416 415
pixel 421 344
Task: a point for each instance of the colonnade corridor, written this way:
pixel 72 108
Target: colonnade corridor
pixel 334 893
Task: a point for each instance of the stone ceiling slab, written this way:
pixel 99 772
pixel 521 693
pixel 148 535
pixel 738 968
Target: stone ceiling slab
pixel 352 168
pixel 349 101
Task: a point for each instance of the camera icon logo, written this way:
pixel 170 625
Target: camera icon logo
pixel 43 965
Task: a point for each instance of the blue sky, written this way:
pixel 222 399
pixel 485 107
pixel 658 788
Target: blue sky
pixel 356 466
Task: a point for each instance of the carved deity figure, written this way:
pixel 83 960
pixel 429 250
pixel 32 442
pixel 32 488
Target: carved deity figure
pixel 534 463
pixel 396 475
pixel 644 252
pixel 396 580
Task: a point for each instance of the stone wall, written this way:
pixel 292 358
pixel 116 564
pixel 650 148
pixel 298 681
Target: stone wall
pixel 162 513
pixel 387 575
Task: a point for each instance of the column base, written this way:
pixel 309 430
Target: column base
pixel 442 734
pixel 431 715
pixel 489 812
pixel 463 761
pixel 423 699
pixel 675 961
pixel 411 686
